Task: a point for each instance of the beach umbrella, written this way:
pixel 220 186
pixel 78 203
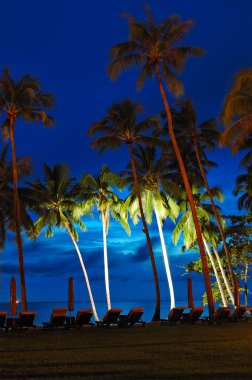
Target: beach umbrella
pixel 13 296
pixel 70 294
pixel 237 295
pixel 190 293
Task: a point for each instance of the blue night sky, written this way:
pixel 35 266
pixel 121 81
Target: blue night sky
pixel 65 44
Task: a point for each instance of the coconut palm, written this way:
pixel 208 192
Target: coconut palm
pixel 237 111
pixel 202 136
pixel 153 47
pixel 244 189
pixel 120 126
pixel 99 191
pixel 186 227
pixel 21 100
pixel 7 215
pixel 157 195
pixel 55 203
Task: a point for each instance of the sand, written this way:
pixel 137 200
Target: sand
pixel 153 352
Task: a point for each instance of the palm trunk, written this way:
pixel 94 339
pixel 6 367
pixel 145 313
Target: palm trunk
pixel 18 218
pixel 106 261
pixel 190 198
pixel 246 283
pixel 84 273
pixel 156 316
pixel 226 281
pixel 216 214
pixel 224 301
pixel 166 261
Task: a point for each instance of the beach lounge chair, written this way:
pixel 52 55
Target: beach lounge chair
pixel 174 316
pixel 238 314
pixel 57 319
pixel 110 318
pixel 3 318
pixel 133 317
pixel 26 319
pixel 221 315
pixel 193 316
pixel 83 317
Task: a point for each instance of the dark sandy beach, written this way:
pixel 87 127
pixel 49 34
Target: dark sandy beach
pixel 153 352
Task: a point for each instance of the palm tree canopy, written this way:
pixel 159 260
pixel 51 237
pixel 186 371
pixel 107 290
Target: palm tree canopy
pixel 237 110
pixel 204 210
pixel 184 118
pixel 244 188
pixel 152 44
pixel 120 125
pixel 157 189
pixel 24 99
pixel 55 202
pixel 99 190
pixel 7 214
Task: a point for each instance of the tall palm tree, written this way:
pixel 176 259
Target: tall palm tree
pixel 21 100
pixel 237 111
pixel 153 47
pixel 202 136
pixel 186 226
pixel 157 194
pixel 244 189
pixel 99 191
pixel 7 215
pixel 55 203
pixel 120 126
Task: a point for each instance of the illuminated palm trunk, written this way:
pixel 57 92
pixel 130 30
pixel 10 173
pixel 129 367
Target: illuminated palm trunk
pixel 246 283
pixel 166 261
pixel 216 215
pixel 104 231
pixel 18 218
pixel 224 301
pixel 156 316
pixel 85 274
pixel 205 268
pixel 226 281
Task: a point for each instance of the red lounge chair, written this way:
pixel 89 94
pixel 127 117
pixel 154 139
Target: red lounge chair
pixel 133 317
pixel 83 317
pixel 238 314
pixel 57 319
pixel 175 315
pixel 193 316
pixel 3 319
pixel 26 319
pixel 110 318
pixel 221 315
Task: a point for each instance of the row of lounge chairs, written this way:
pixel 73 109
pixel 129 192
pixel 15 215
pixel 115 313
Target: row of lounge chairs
pixel 222 314
pixel 83 317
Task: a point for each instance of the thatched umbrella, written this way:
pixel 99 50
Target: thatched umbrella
pixel 13 298
pixel 70 296
pixel 190 293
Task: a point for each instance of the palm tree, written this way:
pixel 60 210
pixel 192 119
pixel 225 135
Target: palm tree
pixel 244 188
pixel 21 100
pixel 120 126
pixel 153 47
pixel 202 137
pixel 157 195
pixel 186 226
pixel 55 203
pixel 237 111
pixel 98 190
pixel 7 215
